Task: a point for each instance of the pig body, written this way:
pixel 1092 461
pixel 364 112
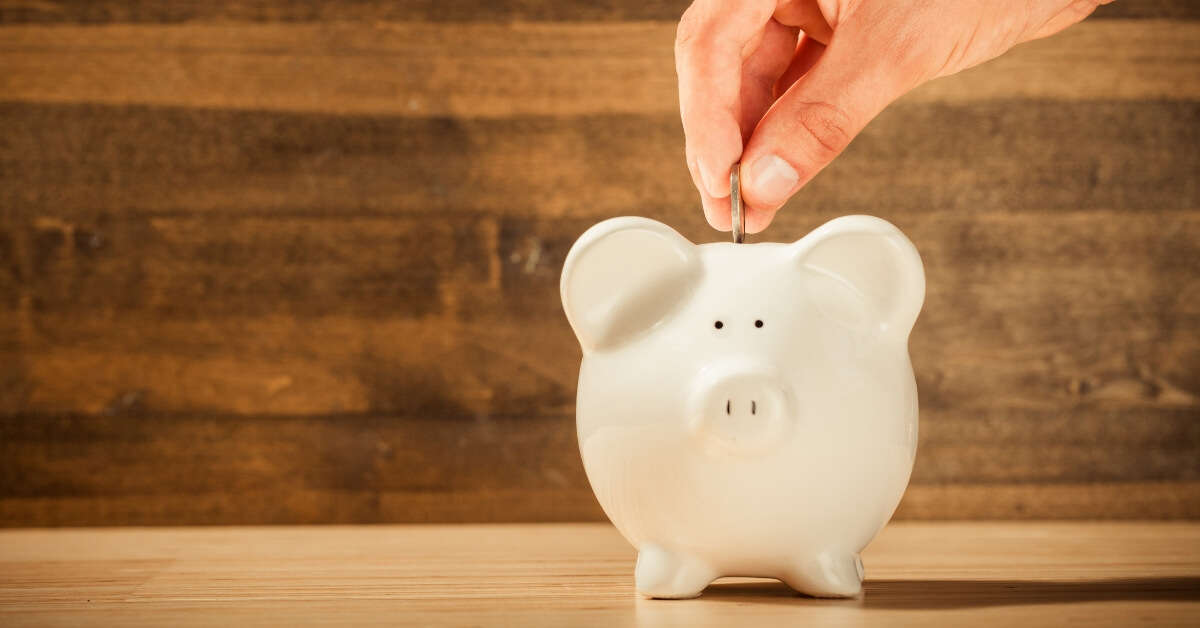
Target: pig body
pixel 746 409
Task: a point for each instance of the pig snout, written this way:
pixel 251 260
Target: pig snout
pixel 740 406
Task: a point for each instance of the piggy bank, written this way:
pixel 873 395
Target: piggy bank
pixel 746 409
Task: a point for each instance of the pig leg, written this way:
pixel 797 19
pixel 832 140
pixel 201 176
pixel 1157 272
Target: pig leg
pixel 661 573
pixel 829 574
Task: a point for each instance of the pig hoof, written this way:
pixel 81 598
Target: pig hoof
pixel 828 575
pixel 668 575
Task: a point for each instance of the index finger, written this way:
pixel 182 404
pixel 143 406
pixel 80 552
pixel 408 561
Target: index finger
pixel 710 47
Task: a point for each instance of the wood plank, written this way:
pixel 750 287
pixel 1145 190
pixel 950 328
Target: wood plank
pixel 1088 501
pixel 168 11
pixel 298 367
pixel 256 470
pixel 65 456
pixel 1064 447
pixel 88 159
pixel 1148 9
pixel 296 315
pixel 77 161
pixel 1023 501
pixel 408 69
pixel 140 469
pixel 512 69
pixel 918 574
pixel 1093 60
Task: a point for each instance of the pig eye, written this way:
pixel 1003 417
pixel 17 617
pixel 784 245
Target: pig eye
pixel 758 323
pixel 718 324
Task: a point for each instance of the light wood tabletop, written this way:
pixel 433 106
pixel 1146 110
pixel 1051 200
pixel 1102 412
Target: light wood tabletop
pixel 966 574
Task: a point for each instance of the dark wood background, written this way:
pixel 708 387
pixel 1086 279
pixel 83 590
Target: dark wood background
pixel 297 262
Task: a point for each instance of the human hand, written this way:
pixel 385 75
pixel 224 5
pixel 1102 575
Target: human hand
pixel 784 85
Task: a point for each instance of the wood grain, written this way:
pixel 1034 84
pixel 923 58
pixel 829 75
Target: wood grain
pixel 73 161
pixel 131 468
pixel 515 69
pixel 294 315
pixel 277 262
pixel 1039 385
pixel 168 11
pixel 981 574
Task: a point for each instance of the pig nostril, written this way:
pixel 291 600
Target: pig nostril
pixel 758 323
pixel 753 407
pixel 718 324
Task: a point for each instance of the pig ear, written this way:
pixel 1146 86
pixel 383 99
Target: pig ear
pixel 863 272
pixel 623 277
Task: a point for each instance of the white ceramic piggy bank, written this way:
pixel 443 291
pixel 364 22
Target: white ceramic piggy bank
pixel 746 409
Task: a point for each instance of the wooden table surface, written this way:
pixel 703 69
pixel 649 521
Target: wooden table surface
pixel 966 574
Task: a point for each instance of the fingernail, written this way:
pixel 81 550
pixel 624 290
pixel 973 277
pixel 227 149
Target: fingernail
pixel 718 191
pixel 773 178
pixel 703 174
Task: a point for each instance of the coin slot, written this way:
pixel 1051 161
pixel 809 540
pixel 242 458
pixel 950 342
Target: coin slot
pixel 753 407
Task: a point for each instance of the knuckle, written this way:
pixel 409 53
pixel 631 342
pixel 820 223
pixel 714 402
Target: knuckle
pixel 690 26
pixel 827 127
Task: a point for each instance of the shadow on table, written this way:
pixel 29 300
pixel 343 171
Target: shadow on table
pixel 959 594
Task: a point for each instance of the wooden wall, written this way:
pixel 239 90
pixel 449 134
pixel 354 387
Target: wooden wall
pixel 296 262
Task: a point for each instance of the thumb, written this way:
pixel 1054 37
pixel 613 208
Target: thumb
pixel 810 125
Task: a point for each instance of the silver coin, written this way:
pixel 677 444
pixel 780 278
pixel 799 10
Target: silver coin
pixel 735 204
